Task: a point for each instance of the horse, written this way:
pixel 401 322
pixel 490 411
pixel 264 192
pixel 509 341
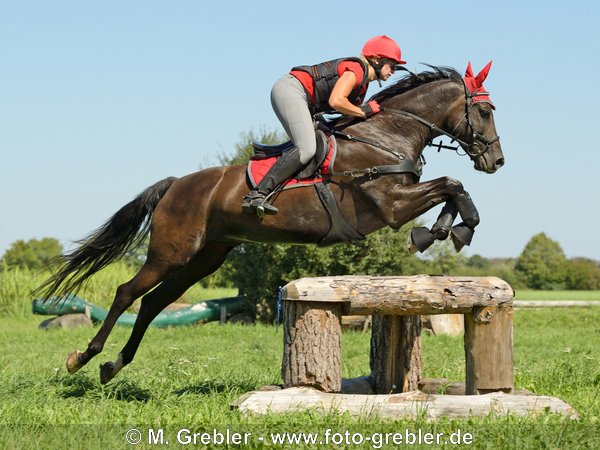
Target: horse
pixel 196 220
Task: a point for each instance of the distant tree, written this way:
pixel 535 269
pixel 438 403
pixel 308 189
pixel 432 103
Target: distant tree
pixel 33 254
pixel 443 259
pixel 583 273
pixel 542 264
pixel 478 262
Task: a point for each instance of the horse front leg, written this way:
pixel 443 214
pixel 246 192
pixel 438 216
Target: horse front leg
pixel 462 234
pixel 410 202
pixel 421 238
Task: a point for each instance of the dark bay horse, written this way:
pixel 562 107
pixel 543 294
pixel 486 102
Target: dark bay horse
pixel 194 221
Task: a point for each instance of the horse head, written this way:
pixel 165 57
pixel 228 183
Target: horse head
pixel 448 104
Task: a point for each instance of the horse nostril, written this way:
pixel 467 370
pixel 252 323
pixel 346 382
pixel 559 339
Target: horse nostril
pixel 499 162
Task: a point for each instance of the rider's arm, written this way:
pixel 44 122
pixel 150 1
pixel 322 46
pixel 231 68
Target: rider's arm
pixel 338 99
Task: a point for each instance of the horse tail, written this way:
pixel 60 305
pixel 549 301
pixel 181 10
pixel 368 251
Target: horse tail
pixel 125 231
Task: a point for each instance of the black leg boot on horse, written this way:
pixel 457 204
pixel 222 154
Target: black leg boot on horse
pixel 286 166
pixel 462 234
pixel 420 239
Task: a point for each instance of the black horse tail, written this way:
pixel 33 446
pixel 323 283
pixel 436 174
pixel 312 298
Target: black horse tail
pixel 123 232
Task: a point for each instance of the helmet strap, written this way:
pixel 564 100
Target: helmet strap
pixel 377 66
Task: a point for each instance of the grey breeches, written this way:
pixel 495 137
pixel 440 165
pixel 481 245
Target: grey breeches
pixel 290 104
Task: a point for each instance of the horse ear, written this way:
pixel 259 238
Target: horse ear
pixel 469 72
pixel 481 76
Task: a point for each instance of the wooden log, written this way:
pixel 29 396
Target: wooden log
pixel 403 295
pixel 312 345
pixel 395 353
pixel 409 405
pixel 489 350
pixel 444 324
pixel 445 386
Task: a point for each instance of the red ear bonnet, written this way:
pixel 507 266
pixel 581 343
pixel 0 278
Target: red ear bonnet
pixel 475 83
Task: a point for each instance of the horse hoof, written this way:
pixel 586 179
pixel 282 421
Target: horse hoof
pixel 419 240
pixel 74 361
pixel 461 236
pixel 107 372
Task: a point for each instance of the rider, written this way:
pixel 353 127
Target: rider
pixel 339 85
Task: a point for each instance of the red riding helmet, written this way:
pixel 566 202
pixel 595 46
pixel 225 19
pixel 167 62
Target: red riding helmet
pixel 384 47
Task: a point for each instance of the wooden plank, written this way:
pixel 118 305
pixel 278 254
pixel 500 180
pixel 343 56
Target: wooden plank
pixel 405 295
pixel 409 405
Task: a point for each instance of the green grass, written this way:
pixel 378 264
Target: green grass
pixel 187 377
pixel 527 294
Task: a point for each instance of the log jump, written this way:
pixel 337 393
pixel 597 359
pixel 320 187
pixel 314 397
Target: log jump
pixel 311 365
pixel 313 308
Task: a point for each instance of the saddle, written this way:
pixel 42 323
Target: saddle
pixel 321 164
pixel 314 174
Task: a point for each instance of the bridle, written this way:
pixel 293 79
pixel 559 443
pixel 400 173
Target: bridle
pixel 478 139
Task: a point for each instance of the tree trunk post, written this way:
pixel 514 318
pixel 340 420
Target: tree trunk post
pixel 395 353
pixel 312 345
pixel 489 350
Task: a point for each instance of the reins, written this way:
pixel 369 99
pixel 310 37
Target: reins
pixel 405 166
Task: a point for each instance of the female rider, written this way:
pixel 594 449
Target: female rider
pixel 339 85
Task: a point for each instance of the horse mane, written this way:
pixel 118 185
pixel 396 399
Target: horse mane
pixel 414 80
pixel 405 84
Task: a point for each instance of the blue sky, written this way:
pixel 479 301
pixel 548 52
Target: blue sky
pixel 98 100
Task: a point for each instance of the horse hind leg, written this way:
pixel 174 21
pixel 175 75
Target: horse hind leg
pixel 148 277
pixel 209 259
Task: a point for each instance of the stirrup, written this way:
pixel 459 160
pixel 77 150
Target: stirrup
pixel 257 201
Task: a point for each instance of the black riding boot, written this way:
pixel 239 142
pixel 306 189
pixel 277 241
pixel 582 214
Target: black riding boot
pixel 286 166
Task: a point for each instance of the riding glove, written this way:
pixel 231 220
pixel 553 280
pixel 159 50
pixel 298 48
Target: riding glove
pixel 370 108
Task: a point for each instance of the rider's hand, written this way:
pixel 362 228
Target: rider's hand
pixel 370 108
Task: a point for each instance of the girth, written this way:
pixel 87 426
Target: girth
pixel 340 229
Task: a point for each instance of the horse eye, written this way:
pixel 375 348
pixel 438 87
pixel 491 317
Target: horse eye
pixel 484 113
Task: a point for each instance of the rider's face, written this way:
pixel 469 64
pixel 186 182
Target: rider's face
pixel 388 68
pixel 386 71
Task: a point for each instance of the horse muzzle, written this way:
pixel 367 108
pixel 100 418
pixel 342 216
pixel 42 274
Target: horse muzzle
pixel 486 154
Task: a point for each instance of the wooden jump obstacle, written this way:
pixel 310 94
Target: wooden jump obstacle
pixel 313 307
pixel 311 366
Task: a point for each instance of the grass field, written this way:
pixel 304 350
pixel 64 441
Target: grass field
pixel 187 377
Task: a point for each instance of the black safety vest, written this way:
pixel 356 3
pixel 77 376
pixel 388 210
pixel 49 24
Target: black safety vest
pixel 325 75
